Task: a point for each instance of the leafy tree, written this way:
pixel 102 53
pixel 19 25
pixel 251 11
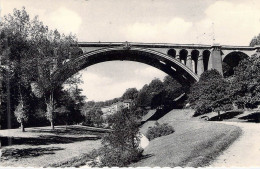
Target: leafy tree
pixel 255 41
pixel 93 116
pixel 21 114
pixel 211 93
pixel 155 86
pixel 245 84
pixel 30 54
pixel 170 91
pixel 130 93
pixel 121 145
pixel 143 98
pixel 64 114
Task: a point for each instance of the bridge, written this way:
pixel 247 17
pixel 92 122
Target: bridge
pixel 184 62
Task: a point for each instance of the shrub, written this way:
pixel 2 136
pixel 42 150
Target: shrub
pixel 120 146
pixel 159 130
pixel 108 156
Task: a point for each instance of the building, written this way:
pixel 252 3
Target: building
pixel 127 103
pixel 116 107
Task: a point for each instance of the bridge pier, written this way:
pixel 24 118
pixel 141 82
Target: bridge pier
pixel 215 59
pixel 200 65
pixel 189 61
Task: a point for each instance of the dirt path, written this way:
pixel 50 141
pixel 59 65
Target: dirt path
pixel 245 151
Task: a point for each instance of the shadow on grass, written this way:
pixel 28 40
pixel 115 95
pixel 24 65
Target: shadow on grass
pixel 254 117
pixel 70 130
pixel 146 156
pixel 225 116
pixel 16 154
pixel 44 140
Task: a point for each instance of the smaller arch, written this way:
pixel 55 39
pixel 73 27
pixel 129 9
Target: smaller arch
pixel 172 53
pixel 183 56
pixel 205 57
pixel 194 58
pixel 232 60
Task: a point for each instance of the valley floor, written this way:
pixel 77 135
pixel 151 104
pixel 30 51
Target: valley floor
pixel 195 143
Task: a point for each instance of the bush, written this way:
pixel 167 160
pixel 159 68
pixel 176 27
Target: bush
pixel 108 156
pixel 120 146
pixel 159 130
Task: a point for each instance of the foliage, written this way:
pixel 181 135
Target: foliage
pixel 130 93
pixel 255 41
pixel 30 52
pixel 211 93
pixel 159 130
pixel 93 116
pixel 21 113
pixel 121 145
pixel 245 84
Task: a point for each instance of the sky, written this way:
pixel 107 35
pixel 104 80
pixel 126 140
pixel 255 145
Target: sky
pixel 227 22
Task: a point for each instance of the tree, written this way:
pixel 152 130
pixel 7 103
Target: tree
pixel 120 147
pixel 245 84
pixel 93 115
pixel 21 114
pixel 255 41
pixel 143 97
pixel 35 52
pixel 130 93
pixel 64 114
pixel 211 93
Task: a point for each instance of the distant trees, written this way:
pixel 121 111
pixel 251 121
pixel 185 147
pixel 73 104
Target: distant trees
pixel 130 93
pixel 255 41
pixel 93 116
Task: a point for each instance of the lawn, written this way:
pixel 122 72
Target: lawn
pixel 195 143
pixel 42 147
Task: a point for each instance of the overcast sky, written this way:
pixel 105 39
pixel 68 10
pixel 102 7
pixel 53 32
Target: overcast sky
pixel 232 22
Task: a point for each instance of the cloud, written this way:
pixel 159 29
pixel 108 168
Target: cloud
pixel 174 30
pixel 149 73
pixel 228 22
pixel 65 20
pixel 97 87
pixel 234 23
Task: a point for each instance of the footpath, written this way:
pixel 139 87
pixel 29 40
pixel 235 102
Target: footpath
pixel 245 151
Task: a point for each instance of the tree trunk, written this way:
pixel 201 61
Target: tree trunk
pixel 22 127
pixel 52 125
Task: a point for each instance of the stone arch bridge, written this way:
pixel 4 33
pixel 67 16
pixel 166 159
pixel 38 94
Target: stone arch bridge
pixel 184 62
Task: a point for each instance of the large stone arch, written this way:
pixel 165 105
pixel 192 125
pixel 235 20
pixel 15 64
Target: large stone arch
pixel 231 60
pixel 164 62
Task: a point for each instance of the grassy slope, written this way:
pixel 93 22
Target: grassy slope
pixel 194 144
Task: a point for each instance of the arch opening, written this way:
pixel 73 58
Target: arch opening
pixel 231 61
pixel 183 56
pixel 194 59
pixel 156 59
pixel 172 53
pixel 205 57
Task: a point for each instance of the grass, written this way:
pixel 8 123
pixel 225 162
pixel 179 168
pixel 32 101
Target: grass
pixel 194 144
pixel 78 161
pixel 42 147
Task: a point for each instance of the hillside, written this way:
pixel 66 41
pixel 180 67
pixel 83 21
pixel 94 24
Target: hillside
pixel 195 143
